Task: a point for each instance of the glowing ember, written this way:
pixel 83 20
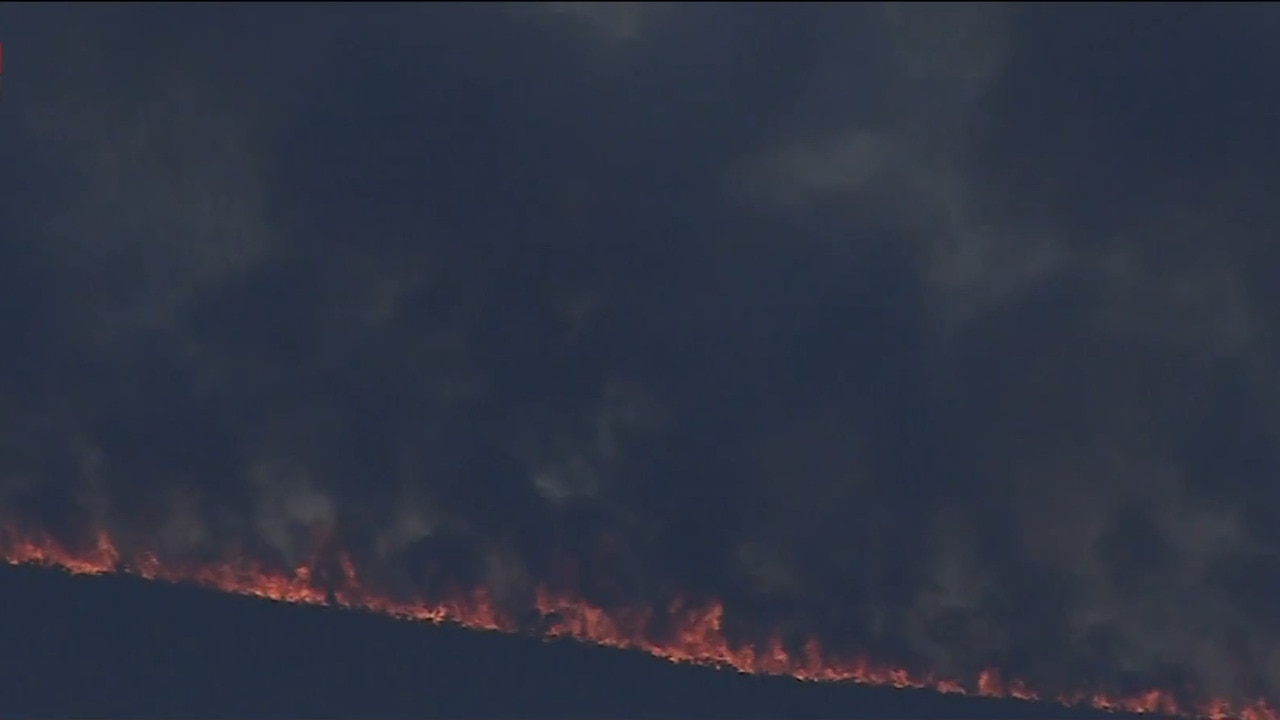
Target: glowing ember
pixel 697 639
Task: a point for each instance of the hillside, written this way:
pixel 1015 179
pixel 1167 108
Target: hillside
pixel 119 646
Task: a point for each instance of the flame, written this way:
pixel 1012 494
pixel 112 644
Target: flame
pixel 698 637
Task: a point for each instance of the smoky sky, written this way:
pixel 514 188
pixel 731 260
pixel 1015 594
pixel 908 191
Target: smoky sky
pixel 942 331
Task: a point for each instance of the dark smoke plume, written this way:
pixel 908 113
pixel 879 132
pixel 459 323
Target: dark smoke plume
pixel 943 333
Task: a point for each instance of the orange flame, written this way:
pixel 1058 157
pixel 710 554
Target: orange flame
pixel 698 638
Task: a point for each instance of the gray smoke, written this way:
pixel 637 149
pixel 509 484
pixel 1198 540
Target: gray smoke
pixel 943 331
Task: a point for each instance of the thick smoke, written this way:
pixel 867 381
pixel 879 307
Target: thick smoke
pixel 941 331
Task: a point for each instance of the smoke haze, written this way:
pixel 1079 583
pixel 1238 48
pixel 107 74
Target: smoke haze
pixel 939 332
